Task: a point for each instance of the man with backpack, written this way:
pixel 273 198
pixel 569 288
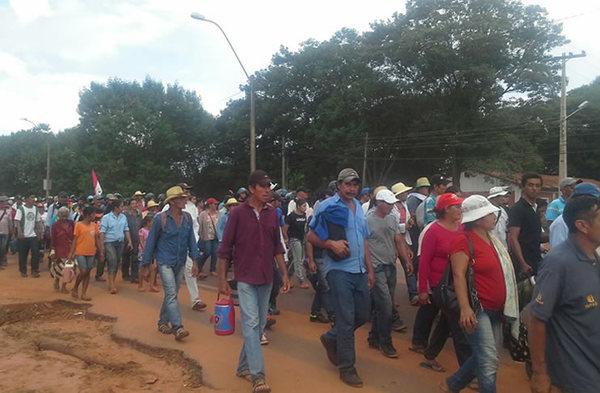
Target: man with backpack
pixel 170 240
pixel 27 223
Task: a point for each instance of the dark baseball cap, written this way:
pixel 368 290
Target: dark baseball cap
pixel 259 177
pixel 438 179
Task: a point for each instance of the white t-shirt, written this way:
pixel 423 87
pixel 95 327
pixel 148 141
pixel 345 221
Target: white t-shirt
pixel 31 215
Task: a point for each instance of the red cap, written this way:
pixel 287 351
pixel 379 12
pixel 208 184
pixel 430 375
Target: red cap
pixel 211 200
pixel 447 199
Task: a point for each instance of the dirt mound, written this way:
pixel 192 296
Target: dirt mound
pixel 73 350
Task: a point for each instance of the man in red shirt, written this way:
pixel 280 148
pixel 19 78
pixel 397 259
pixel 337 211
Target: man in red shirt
pixel 251 239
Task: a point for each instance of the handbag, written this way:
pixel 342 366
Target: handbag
pixel 444 294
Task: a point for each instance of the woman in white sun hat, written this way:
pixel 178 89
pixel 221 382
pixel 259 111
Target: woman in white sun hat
pixel 496 288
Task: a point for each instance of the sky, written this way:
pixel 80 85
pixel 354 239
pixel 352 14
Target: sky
pixel 52 49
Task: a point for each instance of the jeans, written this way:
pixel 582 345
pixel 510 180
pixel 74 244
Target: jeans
pixel 411 280
pixel 322 294
pixel 3 248
pixel 254 307
pixel 210 248
pixel 113 252
pixel 190 282
pixel 171 277
pixel 26 245
pixel 298 252
pixel 351 304
pixel 382 299
pixel 483 363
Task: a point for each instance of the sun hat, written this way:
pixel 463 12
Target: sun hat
pixel 111 197
pixel 422 182
pixel 152 204
pixel 399 188
pixel 447 199
pixel 476 207
pixel 138 193
pixel 346 175
pixel 231 201
pixel 386 196
pixel 175 192
pixel 498 191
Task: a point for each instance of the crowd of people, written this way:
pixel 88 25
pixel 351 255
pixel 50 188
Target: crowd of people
pixel 348 246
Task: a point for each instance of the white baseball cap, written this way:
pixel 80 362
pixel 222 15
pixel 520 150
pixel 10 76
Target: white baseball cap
pixel 387 196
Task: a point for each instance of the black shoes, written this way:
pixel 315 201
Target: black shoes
pixel 318 317
pixel 330 348
pixel 388 350
pixel 350 377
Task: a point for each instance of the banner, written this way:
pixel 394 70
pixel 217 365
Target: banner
pixel 97 186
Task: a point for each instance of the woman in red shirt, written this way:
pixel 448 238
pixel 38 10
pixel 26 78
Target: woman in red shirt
pixel 484 327
pixel 61 238
pixel 435 251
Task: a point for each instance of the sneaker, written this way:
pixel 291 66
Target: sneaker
pixel 23 274
pixel 181 333
pixel 330 348
pixel 263 339
pixel 318 317
pixel 35 275
pixel 374 344
pixel 399 326
pixel 388 350
pixel 165 329
pixel 350 377
pixel 199 306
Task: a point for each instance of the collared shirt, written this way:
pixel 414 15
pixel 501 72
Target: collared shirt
pixel 555 208
pixel 559 232
pixel 221 224
pixel 356 233
pixel 523 216
pixel 566 297
pixel 252 240
pixel 114 227
pixel 429 205
pixel 171 245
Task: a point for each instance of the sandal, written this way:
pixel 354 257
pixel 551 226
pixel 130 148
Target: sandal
pixel 245 375
pixel 433 365
pixel 260 386
pixel 165 329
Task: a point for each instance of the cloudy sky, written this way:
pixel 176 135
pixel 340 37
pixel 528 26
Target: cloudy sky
pixel 51 49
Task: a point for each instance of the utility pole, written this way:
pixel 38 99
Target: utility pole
pixel 364 171
pixel 283 162
pixel 562 144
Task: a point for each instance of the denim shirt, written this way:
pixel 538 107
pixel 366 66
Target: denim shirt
pixel 356 233
pixel 221 223
pixel 170 246
pixel 114 227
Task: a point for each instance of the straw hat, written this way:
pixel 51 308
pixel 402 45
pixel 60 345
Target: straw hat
pixel 175 192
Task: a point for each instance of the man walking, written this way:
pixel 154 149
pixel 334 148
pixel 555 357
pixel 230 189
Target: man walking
pixel 252 239
pixel 170 241
pixel 6 229
pixel 385 244
pixel 563 329
pixel 347 263
pixel 556 207
pixel 27 223
pixel 439 184
pixel 498 196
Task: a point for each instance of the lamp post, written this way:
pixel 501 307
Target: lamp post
pixel 562 144
pixel 47 184
pixel 201 17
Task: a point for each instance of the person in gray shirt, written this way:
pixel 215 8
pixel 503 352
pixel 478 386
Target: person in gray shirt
pixel 564 328
pixel 385 244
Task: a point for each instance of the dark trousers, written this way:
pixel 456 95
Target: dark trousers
pixel 99 265
pixel 3 248
pixel 319 283
pixel 130 264
pixel 27 245
pixel 351 303
pixel 277 283
pixel 382 296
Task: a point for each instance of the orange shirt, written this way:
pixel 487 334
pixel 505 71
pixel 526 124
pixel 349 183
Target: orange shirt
pixel 86 238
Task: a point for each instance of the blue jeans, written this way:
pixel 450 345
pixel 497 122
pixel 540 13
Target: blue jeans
pixel 113 252
pixel 383 304
pixel 351 304
pixel 209 248
pixel 297 249
pixel 171 277
pixel 483 363
pixel 254 307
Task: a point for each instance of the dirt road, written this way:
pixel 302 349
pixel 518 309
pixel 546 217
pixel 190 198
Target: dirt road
pixel 295 360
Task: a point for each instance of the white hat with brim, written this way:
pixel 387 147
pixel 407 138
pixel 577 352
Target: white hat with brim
pixel 498 191
pixel 386 196
pixel 476 207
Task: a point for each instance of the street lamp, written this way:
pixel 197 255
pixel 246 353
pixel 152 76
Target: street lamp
pixel 47 184
pixel 201 17
pixel 562 143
